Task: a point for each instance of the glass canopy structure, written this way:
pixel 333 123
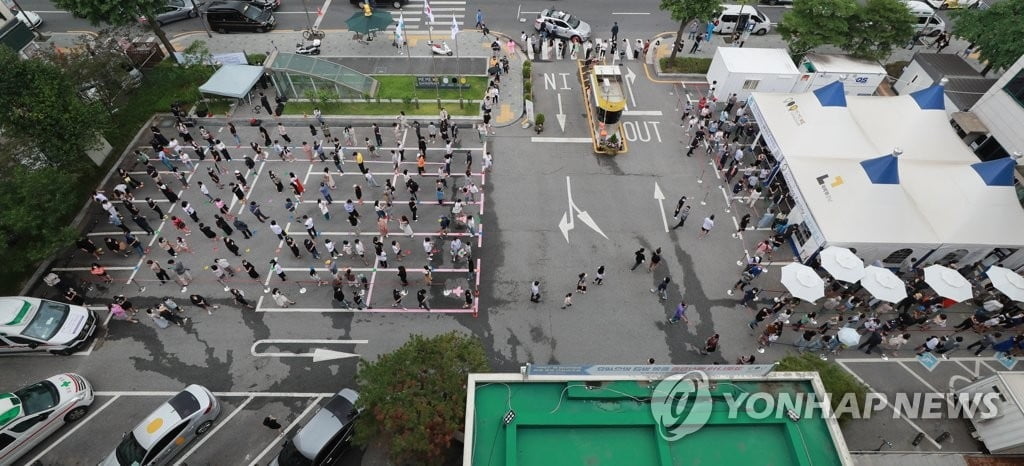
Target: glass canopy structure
pixel 294 75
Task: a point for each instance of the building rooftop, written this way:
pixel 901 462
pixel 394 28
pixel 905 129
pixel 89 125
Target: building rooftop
pixel 964 92
pixel 608 420
pixel 945 65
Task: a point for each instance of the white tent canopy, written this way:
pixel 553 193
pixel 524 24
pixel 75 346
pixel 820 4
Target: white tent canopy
pixel 232 81
pixel 939 199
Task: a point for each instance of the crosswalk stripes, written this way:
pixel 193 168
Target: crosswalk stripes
pixel 443 11
pixel 632 48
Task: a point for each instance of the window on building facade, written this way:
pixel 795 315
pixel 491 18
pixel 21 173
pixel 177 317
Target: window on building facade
pixel 1015 87
pixel 751 84
pixel 898 256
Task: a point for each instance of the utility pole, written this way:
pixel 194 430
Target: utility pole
pixel 199 14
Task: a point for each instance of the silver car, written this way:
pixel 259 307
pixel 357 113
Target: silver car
pixel 561 24
pixel 324 440
pixel 167 431
pixel 175 10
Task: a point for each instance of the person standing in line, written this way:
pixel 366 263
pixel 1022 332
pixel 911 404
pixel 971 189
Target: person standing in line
pixel 638 258
pixel 280 298
pixel 705 228
pixel 278 270
pixel 680 314
pixel 655 260
pixel 311 248
pixel 99 271
pixel 679 206
pixel 143 223
pixel 662 289
pixel 232 246
pixel 710 345
pixel 288 241
pixel 156 208
pixel 182 272
pixel 581 283
pixel 744 223
pixel 250 269
pixel 421 299
pixel 240 300
pixel 682 215
pixel 276 229
pixel 160 273
pixel 599 276
pixel 615 31
pixel 397 295
pixel 283 132
pixel 567 301
pixel 310 228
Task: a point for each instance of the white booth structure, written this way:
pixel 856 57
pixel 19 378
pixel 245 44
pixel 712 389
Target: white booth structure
pixel 889 177
pixel 1000 433
pixel 859 76
pixel 741 71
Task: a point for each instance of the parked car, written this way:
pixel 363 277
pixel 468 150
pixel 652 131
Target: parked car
pixel 265 4
pixel 562 24
pixel 324 440
pixel 175 10
pixel 30 19
pixel 225 16
pixel 739 17
pixel 777 2
pixel 32 413
pixel 167 431
pixel 381 3
pixel 953 4
pixel 32 324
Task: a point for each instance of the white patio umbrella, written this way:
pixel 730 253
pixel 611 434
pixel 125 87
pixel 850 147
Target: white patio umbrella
pixel 883 284
pixel 842 264
pixel 1007 281
pixel 803 282
pixel 948 283
pixel 848 336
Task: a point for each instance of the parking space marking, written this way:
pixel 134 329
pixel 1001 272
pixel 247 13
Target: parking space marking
pixel 217 394
pixel 73 429
pixel 222 423
pixel 285 431
pixel 886 401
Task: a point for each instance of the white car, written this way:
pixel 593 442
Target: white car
pixel 29 415
pixel 952 4
pixel 33 324
pixel 30 19
pixel 562 24
pixel 167 431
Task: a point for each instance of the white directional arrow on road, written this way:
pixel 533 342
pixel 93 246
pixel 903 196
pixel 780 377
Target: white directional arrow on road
pixel 567 223
pixel 630 77
pixel 318 354
pixel 560 116
pixel 660 197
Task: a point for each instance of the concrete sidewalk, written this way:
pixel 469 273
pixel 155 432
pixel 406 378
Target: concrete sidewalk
pixel 339 46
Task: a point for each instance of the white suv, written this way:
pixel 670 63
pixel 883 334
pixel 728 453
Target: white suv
pixel 561 24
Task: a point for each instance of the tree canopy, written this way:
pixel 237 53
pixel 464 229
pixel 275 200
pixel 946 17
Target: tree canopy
pixel 33 201
pixel 98 62
pixel 44 121
pixel 118 13
pixel 415 396
pixel 867 40
pixel 997 32
pixel 685 11
pixel 866 31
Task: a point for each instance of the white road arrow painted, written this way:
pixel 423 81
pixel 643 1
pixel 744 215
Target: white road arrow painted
pixel 630 77
pixel 318 354
pixel 560 116
pixel 567 223
pixel 660 197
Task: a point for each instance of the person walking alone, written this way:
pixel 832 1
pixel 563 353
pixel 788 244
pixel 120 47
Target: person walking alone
pixel 638 258
pixel 662 289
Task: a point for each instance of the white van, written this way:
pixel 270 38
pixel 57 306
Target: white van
pixel 735 17
pixel 928 23
pixel 33 324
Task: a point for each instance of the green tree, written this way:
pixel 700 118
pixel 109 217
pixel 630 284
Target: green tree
pixel 686 11
pixel 43 120
pixel 877 28
pixel 998 32
pixel 415 396
pixel 35 211
pixel 812 23
pixel 99 66
pixel 837 381
pixel 119 13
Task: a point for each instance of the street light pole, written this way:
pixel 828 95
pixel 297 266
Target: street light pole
pixel 199 14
